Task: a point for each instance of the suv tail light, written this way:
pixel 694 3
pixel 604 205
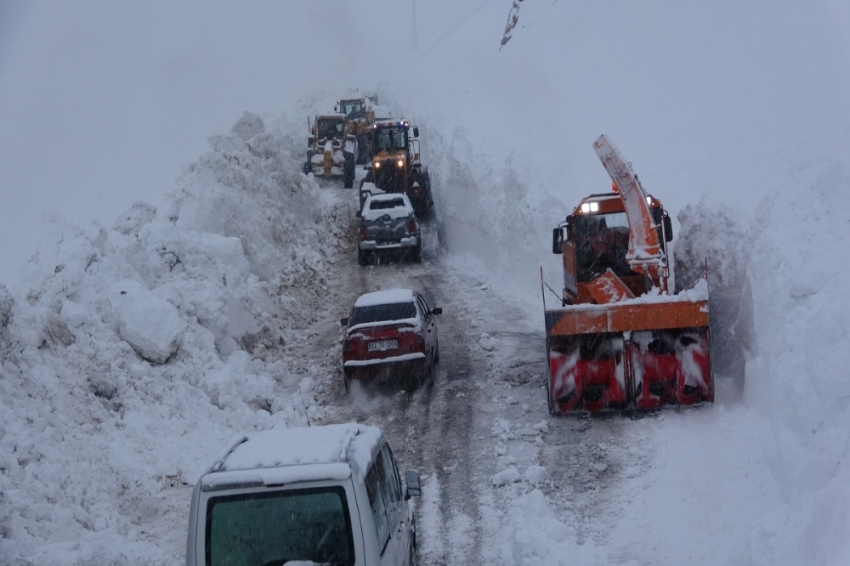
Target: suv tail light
pixel 412 227
pixel 362 231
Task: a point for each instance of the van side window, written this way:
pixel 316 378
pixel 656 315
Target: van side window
pixel 390 490
pixel 376 501
pixel 423 308
pixel 393 479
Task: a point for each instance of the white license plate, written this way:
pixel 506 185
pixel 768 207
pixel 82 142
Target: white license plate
pixel 383 345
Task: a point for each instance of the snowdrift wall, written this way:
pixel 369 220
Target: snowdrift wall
pixel 137 351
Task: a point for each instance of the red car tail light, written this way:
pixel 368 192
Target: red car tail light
pixel 412 227
pixel 347 346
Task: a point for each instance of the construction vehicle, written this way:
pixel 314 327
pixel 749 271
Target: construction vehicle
pixel 331 148
pixel 359 115
pixel 619 340
pixel 396 166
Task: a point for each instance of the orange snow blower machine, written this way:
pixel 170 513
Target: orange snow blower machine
pixel 618 339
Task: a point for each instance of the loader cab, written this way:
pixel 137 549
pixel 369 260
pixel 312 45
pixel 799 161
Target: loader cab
pixel 330 128
pixel 353 109
pixel 396 155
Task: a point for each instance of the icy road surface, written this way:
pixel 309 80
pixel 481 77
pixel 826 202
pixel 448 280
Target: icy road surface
pixel 478 429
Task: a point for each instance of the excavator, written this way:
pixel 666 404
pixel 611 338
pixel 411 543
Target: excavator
pixel 618 339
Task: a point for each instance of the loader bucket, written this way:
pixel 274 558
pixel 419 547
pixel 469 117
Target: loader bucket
pixel 640 354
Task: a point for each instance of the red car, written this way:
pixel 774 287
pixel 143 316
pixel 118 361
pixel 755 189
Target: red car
pixel 390 336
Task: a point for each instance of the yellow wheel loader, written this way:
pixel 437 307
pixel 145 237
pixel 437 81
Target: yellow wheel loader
pixel 396 166
pixel 331 148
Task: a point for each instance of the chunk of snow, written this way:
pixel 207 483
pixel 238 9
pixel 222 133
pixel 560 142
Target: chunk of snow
pixel 152 326
pixel 535 475
pixel 248 126
pixel 487 342
pixel 506 476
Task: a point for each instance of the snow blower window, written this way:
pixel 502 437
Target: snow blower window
pixel 602 241
pixel 304 525
pixel 380 313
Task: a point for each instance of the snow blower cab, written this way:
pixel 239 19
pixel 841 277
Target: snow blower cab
pixel 618 340
pixel 331 148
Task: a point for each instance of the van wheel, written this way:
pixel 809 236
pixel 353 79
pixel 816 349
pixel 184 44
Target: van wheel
pixel 362 258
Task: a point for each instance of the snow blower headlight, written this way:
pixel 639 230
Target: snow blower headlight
pixel 377 165
pixel 590 207
pixel 400 163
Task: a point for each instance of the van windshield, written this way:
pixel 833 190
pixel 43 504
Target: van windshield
pixel 272 529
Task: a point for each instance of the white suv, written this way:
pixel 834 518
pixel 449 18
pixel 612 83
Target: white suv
pixel 318 495
pixel 388 226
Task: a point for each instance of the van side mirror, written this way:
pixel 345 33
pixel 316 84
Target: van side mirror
pixel 668 227
pixel 415 131
pixel 437 310
pixel 412 487
pixel 358 214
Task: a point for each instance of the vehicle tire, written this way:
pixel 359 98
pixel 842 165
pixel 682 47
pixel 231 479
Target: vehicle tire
pixel 347 384
pixel 362 258
pixel 416 254
pixel 348 171
pixel 412 560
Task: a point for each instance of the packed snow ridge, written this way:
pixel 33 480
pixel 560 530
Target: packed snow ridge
pixel 134 352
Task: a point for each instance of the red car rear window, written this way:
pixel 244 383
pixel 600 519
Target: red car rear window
pixel 381 313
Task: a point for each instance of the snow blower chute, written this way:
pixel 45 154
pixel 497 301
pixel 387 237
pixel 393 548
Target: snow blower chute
pixel 618 339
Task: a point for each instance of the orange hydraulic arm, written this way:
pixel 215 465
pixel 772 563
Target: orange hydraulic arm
pixel 645 255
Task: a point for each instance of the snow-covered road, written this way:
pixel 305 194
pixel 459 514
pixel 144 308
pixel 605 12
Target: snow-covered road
pixel 108 414
pixel 478 430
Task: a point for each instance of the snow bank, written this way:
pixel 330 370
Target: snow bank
pixel 714 238
pixel 535 536
pixel 134 353
pixel 800 379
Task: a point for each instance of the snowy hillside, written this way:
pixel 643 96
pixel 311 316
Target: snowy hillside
pixel 133 351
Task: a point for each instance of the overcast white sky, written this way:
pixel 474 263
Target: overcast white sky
pixel 104 103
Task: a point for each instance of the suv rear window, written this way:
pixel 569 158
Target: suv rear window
pixel 388 203
pixel 380 313
pixel 306 525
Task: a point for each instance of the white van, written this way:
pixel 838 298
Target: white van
pixel 304 496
